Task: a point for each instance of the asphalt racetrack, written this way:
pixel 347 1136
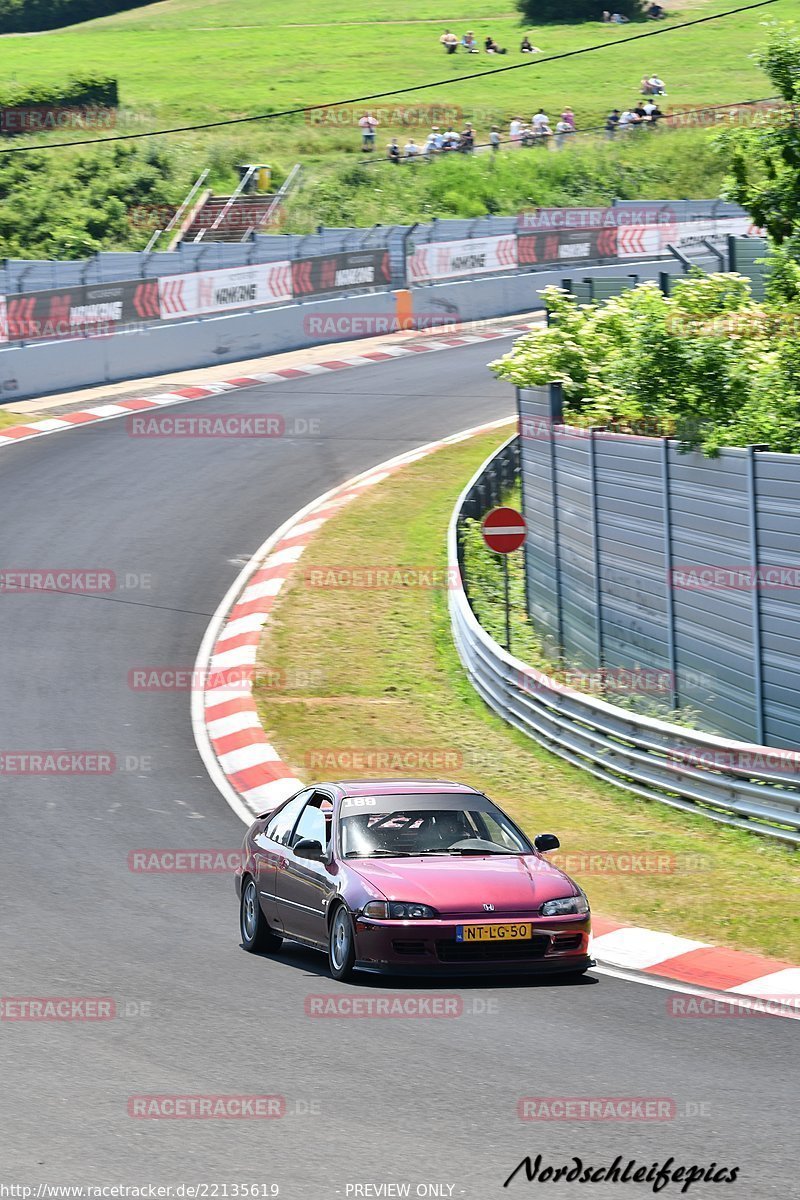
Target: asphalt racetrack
pixel 432 1103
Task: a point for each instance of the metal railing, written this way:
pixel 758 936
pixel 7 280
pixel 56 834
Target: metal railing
pixel 288 185
pixel 695 772
pixel 178 216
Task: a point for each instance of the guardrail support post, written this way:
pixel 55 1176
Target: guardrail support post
pixel 598 591
pixel 556 417
pixel 669 593
pixel 758 650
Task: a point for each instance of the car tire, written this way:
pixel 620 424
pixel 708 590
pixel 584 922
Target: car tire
pixel 256 933
pixel 341 944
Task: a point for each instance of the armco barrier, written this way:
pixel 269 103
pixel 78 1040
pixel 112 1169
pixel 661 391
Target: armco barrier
pixel 649 758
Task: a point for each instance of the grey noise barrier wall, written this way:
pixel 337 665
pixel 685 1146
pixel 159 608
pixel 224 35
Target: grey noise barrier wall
pixel 735 783
pixel 639 556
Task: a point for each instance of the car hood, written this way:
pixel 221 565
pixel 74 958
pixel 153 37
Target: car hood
pixel 513 884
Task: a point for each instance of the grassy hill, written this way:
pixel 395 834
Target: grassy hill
pixel 188 61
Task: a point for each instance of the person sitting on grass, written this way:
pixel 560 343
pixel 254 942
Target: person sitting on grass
pixel 655 13
pixel 619 19
pixel 449 41
pixel 491 46
pixel 411 151
pixel 393 151
pixel 450 139
pixel 657 86
pixel 468 43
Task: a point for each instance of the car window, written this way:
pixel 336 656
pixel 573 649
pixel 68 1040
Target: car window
pixel 499 835
pixel 281 826
pixel 312 824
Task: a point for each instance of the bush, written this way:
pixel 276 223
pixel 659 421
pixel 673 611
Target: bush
pixel 566 12
pixel 705 365
pixel 83 91
pixel 27 16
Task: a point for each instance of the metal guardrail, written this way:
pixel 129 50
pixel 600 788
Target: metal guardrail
pixel 648 757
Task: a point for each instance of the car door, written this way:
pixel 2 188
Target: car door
pixel 304 886
pixel 270 853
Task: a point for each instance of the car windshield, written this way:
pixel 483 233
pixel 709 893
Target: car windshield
pixel 414 826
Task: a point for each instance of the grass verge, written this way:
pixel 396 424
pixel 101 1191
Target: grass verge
pixel 369 669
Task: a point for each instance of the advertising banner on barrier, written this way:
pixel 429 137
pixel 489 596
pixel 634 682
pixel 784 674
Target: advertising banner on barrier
pixel 548 220
pixel 343 272
pixel 470 256
pixel 216 291
pixel 637 241
pixel 86 310
pixel 566 245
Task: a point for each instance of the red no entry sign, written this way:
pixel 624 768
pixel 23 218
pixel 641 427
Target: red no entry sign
pixel 503 530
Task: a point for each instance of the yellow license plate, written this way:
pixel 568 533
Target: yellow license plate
pixel 493 933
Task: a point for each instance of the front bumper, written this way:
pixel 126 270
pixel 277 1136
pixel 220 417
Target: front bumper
pixel 430 948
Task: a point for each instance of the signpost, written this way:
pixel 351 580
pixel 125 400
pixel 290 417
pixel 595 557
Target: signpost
pixel 503 531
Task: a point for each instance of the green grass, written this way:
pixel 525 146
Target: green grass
pixel 193 60
pixel 647 165
pixel 384 674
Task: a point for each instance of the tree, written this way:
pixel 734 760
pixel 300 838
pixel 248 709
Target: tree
pixel 764 161
pixel 566 12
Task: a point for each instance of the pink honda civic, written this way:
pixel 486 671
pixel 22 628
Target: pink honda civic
pixel 409 877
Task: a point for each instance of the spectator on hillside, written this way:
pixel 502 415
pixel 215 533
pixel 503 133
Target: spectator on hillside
pixel 450 139
pixel 653 112
pixel 527 48
pixel 540 124
pixel 449 41
pixel 641 111
pixel 612 123
pixel 618 19
pixel 655 13
pixel 606 15
pixel 368 125
pixel 656 86
pixel 563 131
pixel 491 46
pixel 515 132
pixel 468 43
pixel 434 143
pixel 644 85
pixel 411 151
pixel 467 141
pixel 494 139
pixel 628 120
pixel 393 151
pixel 568 116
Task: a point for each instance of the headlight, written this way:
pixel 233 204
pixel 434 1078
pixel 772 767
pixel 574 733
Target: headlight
pixel 570 906
pixel 398 911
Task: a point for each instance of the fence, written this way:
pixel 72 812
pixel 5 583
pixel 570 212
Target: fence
pixel 641 557
pixel 750 787
pixel 414 255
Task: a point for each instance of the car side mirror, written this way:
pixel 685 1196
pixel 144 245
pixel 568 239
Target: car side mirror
pixel 545 842
pixel 305 848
